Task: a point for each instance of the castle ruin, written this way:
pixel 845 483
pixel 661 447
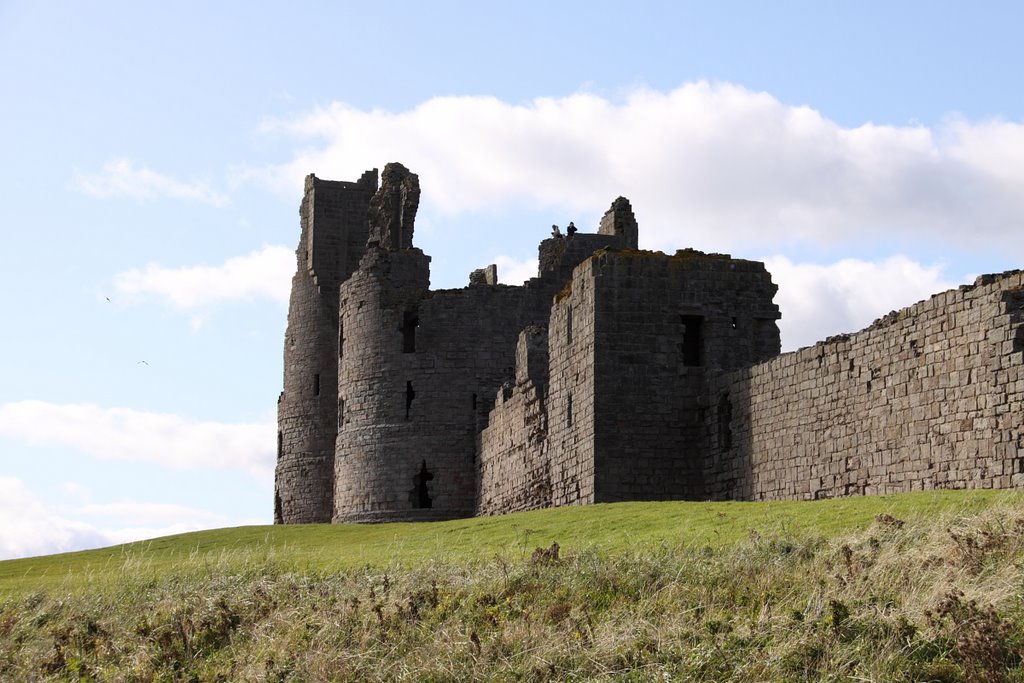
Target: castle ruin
pixel 615 374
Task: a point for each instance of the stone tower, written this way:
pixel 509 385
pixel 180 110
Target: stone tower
pixel 334 233
pixel 397 454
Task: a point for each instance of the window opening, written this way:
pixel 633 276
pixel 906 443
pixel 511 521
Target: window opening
pixel 410 321
pixel 474 403
pixel 280 443
pixel 316 384
pixel 568 411
pixel 409 396
pixel 693 342
pixel 734 323
pixel 420 492
pixel 568 324
pixel 725 423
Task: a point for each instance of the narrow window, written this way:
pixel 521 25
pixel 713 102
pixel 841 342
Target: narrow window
pixel 410 321
pixel 409 396
pixel 568 411
pixel 280 443
pixel 693 342
pixel 316 384
pixel 474 403
pixel 420 492
pixel 734 323
pixel 341 412
pixel 725 423
pixel 568 324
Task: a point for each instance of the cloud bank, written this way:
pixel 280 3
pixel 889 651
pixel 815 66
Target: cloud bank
pixel 715 166
pixel 265 273
pixel 122 178
pixel 126 434
pixel 30 527
pixel 818 301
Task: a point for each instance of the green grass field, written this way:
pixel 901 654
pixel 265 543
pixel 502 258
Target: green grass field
pixel 621 527
pixel 917 587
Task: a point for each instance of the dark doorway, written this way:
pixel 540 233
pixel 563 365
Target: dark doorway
pixel 420 493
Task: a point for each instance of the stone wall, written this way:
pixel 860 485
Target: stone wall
pixel 514 464
pixel 928 397
pixel 631 338
pixel 571 391
pixel 662 324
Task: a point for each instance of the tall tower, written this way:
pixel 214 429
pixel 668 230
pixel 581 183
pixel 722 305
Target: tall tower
pixel 397 456
pixel 335 227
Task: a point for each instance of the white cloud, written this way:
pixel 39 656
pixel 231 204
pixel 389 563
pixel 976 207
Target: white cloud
pixel 819 301
pixel 713 166
pixel 28 526
pixel 264 273
pixel 126 434
pixel 121 178
pixel 514 272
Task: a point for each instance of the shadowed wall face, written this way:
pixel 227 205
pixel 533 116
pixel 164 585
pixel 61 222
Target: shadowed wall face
pixel 928 397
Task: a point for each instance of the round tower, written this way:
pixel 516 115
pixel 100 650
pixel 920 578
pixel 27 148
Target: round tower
pixel 397 458
pixel 335 226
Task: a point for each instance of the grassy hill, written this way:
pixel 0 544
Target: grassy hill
pixel 913 587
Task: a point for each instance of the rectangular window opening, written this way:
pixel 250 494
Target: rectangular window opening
pixel 316 384
pixel 410 321
pixel 568 411
pixel 568 324
pixel 409 396
pixel 692 346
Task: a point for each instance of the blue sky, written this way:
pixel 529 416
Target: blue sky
pixel 153 153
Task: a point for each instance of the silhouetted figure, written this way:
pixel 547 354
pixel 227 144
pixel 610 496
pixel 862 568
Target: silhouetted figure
pixel 571 230
pixel 555 232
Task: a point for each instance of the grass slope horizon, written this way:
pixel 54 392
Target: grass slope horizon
pixel 907 588
pixel 607 527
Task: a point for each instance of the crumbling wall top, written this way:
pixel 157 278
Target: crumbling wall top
pixel 619 220
pixel 393 208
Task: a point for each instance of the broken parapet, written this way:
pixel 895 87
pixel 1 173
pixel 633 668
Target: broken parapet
pixel 532 357
pixel 620 221
pixel 393 208
pixel 484 276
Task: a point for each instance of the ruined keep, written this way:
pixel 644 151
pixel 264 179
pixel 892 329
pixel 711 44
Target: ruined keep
pixel 615 374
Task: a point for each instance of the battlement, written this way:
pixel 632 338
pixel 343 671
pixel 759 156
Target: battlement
pixel 615 374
